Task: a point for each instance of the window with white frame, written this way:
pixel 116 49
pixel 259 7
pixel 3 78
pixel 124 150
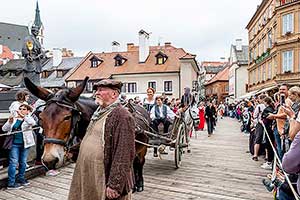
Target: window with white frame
pixel 258 74
pixel 270 69
pixel 168 86
pixel 275 63
pixel 59 73
pixel 152 84
pixel 287 23
pixel 124 88
pixel 287 61
pixel 89 86
pixel 258 49
pixel 263 72
pixel 270 39
pixel 132 88
pixel 264 44
pixel 71 84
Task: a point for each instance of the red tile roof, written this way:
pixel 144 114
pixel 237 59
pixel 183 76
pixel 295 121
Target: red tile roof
pixel 212 63
pixel 132 66
pixel 188 56
pixel 6 53
pixel 221 76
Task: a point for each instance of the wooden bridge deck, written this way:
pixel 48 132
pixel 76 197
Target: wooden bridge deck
pixel 217 168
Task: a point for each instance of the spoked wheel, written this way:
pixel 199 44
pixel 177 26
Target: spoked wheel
pixel 179 145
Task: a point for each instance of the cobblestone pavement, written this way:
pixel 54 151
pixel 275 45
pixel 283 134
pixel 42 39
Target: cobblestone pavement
pixel 217 168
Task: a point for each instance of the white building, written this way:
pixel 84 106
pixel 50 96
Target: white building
pixel 165 68
pixel 238 74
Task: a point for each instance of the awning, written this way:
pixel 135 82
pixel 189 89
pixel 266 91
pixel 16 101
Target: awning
pixel 266 89
pixel 250 94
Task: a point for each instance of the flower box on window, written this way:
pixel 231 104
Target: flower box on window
pixel 288 72
pixel 288 33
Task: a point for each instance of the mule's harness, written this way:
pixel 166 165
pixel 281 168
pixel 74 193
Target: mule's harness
pixel 76 116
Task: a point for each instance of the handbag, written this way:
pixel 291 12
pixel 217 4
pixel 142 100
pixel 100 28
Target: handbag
pixel 8 142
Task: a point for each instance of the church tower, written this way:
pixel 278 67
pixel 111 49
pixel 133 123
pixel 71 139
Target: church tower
pixel 39 24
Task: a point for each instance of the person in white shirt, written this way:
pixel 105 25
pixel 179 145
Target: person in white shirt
pixel 161 113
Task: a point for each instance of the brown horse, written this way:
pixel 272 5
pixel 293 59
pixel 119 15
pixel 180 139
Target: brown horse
pixel 65 119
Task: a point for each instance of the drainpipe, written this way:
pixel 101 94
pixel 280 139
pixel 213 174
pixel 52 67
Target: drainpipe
pixel 179 85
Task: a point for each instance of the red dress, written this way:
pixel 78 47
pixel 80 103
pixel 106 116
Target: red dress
pixel 202 118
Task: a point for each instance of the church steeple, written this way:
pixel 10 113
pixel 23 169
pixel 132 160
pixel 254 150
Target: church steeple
pixel 37 20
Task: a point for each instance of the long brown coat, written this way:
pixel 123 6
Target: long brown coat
pixel 119 152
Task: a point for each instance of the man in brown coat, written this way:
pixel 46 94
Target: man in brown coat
pixel 104 166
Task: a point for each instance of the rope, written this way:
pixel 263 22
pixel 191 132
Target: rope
pixel 280 164
pixel 14 132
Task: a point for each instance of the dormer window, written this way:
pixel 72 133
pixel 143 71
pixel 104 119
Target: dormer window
pixel 119 60
pixel 95 61
pixel 161 58
pixel 12 74
pixel 59 73
pixel 45 74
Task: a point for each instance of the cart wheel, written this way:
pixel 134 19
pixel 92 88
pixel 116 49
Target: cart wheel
pixel 179 145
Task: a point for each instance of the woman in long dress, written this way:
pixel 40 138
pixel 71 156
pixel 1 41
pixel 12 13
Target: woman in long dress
pixel 201 116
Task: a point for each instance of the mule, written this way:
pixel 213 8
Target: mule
pixel 65 119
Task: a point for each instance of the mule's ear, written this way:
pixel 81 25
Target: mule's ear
pixel 37 91
pixel 75 92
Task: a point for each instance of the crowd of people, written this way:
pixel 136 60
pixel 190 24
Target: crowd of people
pixel 273 125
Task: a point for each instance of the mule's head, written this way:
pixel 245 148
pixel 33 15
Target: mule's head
pixel 56 119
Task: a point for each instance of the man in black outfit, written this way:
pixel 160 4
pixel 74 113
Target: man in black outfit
pixel 210 111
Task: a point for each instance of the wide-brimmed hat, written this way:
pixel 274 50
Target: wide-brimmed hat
pixel 113 84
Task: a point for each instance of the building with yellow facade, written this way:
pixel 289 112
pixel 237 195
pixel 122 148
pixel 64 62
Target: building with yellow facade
pixel 274 45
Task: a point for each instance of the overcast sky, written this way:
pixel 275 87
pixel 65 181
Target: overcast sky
pixel 206 28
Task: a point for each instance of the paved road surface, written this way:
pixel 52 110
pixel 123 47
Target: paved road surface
pixel 218 168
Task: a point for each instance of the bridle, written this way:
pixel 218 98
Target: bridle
pixel 76 116
pixel 195 120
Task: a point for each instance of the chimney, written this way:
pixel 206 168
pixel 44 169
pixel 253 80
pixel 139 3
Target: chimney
pixel 143 46
pixel 115 46
pixel 4 61
pixel 57 57
pixel 167 44
pixel 238 44
pixel 130 46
